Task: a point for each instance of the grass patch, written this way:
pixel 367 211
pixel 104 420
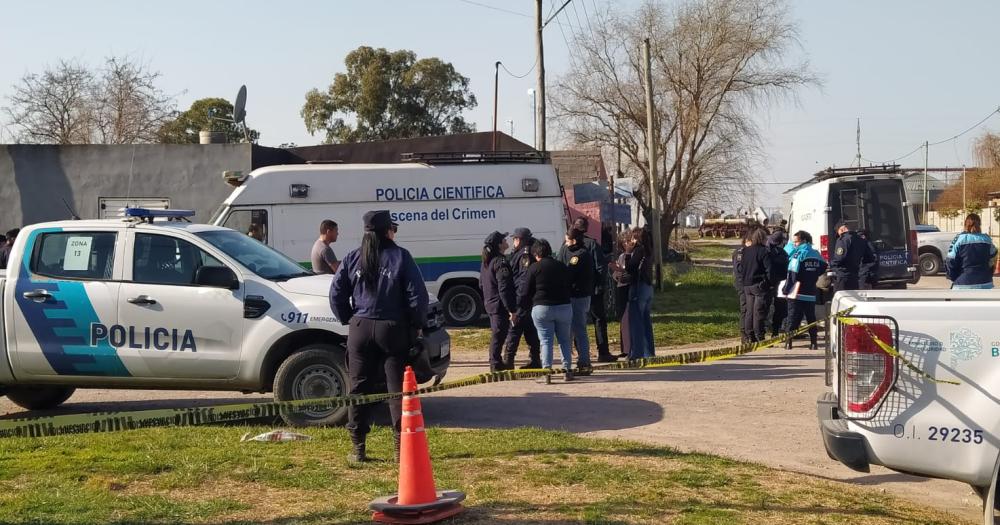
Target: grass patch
pixel 205 475
pixel 695 305
pixel 711 250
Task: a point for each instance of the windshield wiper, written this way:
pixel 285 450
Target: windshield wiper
pixel 287 276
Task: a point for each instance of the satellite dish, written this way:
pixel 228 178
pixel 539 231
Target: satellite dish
pixel 239 107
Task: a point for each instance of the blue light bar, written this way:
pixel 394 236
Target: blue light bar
pixel 146 213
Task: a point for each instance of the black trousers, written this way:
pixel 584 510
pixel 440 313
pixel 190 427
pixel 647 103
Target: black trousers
pixel 758 306
pixel 744 335
pixel 796 311
pixel 526 327
pixel 375 349
pixel 779 314
pixel 599 316
pixel 500 327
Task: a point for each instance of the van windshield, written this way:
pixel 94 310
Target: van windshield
pixel 256 257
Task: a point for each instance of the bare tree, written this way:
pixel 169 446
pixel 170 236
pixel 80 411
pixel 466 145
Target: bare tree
pixel 128 105
pixel 53 107
pixel 72 104
pixel 716 65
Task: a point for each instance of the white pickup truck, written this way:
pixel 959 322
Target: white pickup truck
pixel 135 303
pixel 883 412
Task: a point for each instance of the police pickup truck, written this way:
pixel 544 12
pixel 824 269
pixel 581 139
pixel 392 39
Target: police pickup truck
pixel 910 416
pixel 133 303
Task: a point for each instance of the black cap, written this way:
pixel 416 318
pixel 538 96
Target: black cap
pixel 495 238
pixel 522 233
pixel 378 220
pixel 839 225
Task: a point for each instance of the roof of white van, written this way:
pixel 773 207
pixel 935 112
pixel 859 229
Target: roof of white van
pixel 384 182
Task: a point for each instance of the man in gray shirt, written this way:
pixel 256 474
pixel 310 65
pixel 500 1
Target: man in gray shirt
pixel 323 258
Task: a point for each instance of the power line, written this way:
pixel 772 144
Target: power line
pixel 928 144
pixel 495 8
pixel 520 76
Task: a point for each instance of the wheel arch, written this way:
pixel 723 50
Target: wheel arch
pixel 288 344
pixel 930 249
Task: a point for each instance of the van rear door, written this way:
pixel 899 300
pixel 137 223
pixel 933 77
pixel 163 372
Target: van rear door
pixel 876 205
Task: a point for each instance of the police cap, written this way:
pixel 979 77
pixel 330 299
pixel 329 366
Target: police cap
pixel 522 233
pixel 378 220
pixel 495 238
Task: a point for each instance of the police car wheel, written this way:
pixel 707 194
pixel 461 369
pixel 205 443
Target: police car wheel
pixel 930 264
pixel 312 372
pixel 462 305
pixel 39 397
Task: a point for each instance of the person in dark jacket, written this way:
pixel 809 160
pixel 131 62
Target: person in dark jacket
pixel 852 257
pixel 638 271
pixel 738 284
pixel 8 243
pixel 623 283
pixel 521 324
pixel 756 273
pixel 580 263
pixel 779 258
pixel 379 292
pixel 499 297
pixel 547 293
pixel 868 276
pixel 969 257
pixel 805 266
pixel 598 310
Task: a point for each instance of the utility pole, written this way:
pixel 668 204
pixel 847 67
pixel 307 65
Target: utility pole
pixel 858 140
pixel 925 181
pixel 540 88
pixel 618 163
pixel 496 93
pixel 651 158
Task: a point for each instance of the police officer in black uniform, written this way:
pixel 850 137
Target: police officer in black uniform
pixel 497 283
pixel 379 292
pixel 598 310
pixel 521 324
pixel 852 257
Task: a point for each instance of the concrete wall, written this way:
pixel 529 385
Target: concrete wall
pixel 33 178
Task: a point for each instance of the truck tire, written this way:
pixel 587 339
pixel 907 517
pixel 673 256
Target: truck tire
pixel 39 397
pixel 318 370
pixel 930 264
pixel 462 305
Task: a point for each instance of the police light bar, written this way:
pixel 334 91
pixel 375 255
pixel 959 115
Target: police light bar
pixel 145 213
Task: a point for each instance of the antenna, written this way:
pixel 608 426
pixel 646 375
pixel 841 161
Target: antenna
pixel 240 111
pixel 858 140
pixel 69 208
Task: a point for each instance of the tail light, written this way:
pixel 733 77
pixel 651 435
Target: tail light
pixel 824 246
pixel 867 371
pixel 911 246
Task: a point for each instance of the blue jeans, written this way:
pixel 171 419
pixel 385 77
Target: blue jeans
pixel 554 321
pixel 581 314
pixel 640 304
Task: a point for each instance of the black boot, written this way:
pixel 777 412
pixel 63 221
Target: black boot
pixel 508 362
pixel 567 374
pixel 532 364
pixel 357 454
pixel 606 358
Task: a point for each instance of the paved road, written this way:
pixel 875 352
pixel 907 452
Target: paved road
pixel 758 408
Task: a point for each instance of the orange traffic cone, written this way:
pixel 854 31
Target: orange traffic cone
pixel 417 500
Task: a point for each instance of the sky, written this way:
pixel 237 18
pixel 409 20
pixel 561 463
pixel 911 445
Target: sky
pixel 911 70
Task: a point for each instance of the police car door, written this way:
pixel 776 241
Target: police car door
pixel 67 284
pixel 170 327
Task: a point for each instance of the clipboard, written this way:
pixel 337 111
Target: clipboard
pixel 791 295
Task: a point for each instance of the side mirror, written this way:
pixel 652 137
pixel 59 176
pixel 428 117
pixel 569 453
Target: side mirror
pixel 216 277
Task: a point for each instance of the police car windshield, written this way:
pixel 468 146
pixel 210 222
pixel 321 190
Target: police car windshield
pixel 256 257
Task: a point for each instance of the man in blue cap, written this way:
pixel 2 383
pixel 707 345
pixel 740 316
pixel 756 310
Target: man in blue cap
pixel 521 324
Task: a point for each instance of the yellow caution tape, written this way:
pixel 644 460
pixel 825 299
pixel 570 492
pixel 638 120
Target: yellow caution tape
pixel 890 350
pixel 120 421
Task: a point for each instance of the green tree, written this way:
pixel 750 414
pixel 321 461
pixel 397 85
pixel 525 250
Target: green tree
pixel 184 127
pixel 389 95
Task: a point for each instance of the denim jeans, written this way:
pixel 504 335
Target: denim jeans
pixel 554 322
pixel 581 310
pixel 640 303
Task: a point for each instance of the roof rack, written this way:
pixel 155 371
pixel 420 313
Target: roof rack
pixel 484 157
pixel 831 173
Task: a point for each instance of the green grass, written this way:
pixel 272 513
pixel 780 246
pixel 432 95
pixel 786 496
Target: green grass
pixel 710 250
pixel 696 305
pixel 205 475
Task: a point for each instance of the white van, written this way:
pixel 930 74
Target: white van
pixel 871 199
pixel 444 212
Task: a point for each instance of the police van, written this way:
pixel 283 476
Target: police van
pixel 444 211
pixel 138 303
pixel 871 199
